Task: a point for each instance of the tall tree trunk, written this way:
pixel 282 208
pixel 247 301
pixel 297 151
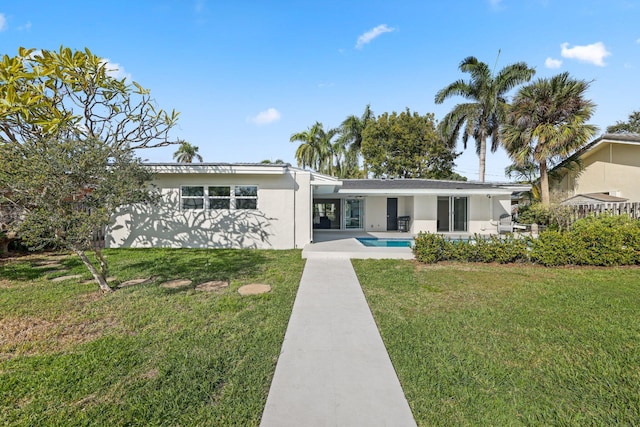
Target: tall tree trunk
pixel 483 158
pixel 100 278
pixel 544 184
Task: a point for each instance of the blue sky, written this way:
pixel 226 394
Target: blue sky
pixel 245 75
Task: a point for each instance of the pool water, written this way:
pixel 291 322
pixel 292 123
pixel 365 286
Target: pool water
pixel 385 243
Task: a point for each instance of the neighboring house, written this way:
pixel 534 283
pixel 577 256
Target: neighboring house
pixel 277 206
pixel 609 171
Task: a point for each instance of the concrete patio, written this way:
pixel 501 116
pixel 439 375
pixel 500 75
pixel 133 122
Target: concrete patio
pixel 343 244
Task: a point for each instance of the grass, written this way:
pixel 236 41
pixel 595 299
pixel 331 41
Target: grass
pixel 510 345
pixel 143 355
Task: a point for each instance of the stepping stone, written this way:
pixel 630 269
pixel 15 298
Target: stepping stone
pixel 214 285
pixel 63 278
pixel 51 266
pixel 58 257
pixel 175 284
pixel 133 282
pixel 46 263
pixel 254 289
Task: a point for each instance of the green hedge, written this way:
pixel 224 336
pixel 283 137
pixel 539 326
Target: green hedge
pixel 603 240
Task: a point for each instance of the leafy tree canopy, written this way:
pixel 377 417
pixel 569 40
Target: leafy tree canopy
pixel 73 94
pixel 632 125
pixel 67 192
pixel 407 145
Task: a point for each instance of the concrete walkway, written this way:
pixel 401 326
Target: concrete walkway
pixel 333 369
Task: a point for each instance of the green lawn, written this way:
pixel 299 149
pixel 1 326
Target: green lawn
pixel 143 355
pixel 510 345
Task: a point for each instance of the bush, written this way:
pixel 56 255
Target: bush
pixel 556 217
pixel 603 240
pixel 551 248
pixel 429 248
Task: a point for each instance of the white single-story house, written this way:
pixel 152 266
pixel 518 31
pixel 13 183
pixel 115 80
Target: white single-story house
pixel 277 206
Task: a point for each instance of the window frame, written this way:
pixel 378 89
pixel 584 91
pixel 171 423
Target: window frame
pixel 233 197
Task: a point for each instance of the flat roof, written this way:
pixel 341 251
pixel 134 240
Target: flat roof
pixel 423 184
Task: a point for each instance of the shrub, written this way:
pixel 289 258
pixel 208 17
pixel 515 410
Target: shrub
pixel 429 248
pixel 556 217
pixel 551 248
pixel 605 240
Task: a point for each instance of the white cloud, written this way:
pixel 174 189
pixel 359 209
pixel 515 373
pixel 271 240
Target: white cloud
pixel 3 22
pixel 591 53
pixel 372 34
pixel 553 63
pixel 495 4
pixel 25 27
pixel 266 117
pixel 638 41
pixel 115 70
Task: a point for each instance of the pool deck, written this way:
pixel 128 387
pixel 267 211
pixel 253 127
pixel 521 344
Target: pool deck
pixel 341 244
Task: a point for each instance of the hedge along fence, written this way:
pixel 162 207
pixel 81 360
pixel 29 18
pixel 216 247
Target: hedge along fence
pixel 604 240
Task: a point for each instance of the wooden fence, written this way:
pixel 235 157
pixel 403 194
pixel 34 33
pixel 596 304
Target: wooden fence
pixel 625 208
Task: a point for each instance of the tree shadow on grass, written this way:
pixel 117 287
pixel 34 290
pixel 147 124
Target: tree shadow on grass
pixel 28 268
pixel 198 265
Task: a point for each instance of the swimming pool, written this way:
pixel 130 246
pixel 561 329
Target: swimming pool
pixel 385 242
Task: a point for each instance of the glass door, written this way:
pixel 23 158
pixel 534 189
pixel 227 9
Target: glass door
pixel 452 214
pixel 459 208
pixel 353 214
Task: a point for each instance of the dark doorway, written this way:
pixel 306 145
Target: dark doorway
pixel 392 214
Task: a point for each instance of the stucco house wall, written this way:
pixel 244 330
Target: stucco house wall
pixel 282 219
pixel 610 164
pixel 200 208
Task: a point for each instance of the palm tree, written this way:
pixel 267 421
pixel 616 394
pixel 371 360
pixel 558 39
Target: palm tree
pixel 547 121
pixel 482 116
pixel 351 130
pixel 316 150
pixel 186 153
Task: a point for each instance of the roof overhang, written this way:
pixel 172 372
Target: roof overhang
pixel 218 168
pixel 426 192
pixel 324 184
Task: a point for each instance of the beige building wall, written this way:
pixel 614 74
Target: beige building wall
pixel 281 221
pixel 375 213
pixel 424 217
pixel 612 168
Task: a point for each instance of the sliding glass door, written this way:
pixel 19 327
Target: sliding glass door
pixel 338 214
pixel 452 214
pixel 353 214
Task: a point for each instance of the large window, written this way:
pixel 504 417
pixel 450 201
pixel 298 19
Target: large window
pixel 338 214
pixel 219 197
pixel 192 197
pixel 246 197
pixel 326 214
pixel 452 214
